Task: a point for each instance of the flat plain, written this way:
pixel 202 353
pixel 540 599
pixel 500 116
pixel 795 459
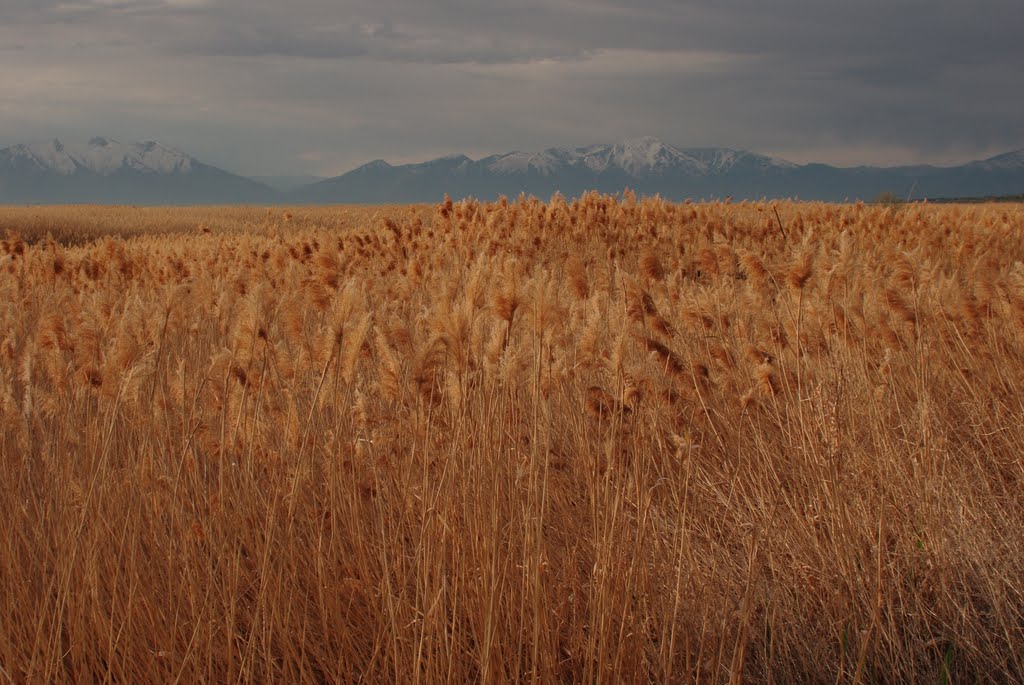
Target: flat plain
pixel 606 440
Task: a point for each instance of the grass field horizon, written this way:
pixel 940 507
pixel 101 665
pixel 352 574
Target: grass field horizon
pixel 598 440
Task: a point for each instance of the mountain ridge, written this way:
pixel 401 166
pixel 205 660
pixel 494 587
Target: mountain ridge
pixel 649 166
pixel 104 170
pixel 102 156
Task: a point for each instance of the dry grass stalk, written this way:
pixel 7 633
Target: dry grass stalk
pixel 325 445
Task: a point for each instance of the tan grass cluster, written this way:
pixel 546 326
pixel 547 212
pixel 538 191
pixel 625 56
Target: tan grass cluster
pixel 591 441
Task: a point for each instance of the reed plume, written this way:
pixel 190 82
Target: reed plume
pixel 559 441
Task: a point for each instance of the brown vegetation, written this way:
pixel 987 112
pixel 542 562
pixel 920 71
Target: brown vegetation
pixel 606 440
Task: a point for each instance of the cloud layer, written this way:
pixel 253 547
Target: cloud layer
pixel 319 86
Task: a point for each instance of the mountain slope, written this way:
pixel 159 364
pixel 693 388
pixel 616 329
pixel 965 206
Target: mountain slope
pixel 110 172
pixel 645 164
pixel 286 184
pixel 650 166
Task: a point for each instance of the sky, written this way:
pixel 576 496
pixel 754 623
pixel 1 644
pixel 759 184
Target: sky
pixel 271 87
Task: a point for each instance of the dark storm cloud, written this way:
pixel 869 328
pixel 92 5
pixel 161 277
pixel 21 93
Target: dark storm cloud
pixel 315 85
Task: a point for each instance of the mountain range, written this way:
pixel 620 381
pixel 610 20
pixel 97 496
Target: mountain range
pixel 106 171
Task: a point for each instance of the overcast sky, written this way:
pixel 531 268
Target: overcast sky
pixel 320 86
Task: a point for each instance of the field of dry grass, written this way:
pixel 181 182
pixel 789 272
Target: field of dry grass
pixel 599 441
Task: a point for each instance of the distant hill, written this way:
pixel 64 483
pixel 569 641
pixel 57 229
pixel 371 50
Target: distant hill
pixel 287 184
pixel 650 166
pixel 106 171
pixel 973 200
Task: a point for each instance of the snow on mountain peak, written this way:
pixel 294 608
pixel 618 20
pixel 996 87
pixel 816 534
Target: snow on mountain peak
pixel 636 157
pixel 102 156
pixel 642 155
pixel 647 149
pixel 521 162
pixel 721 159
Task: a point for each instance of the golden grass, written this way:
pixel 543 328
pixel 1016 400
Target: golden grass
pixel 605 441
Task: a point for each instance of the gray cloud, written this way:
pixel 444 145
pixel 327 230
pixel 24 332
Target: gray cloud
pixel 315 85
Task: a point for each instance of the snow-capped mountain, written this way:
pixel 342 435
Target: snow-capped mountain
pixel 103 170
pixel 1007 161
pixel 101 156
pixel 635 157
pixel 718 160
pixel 650 166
